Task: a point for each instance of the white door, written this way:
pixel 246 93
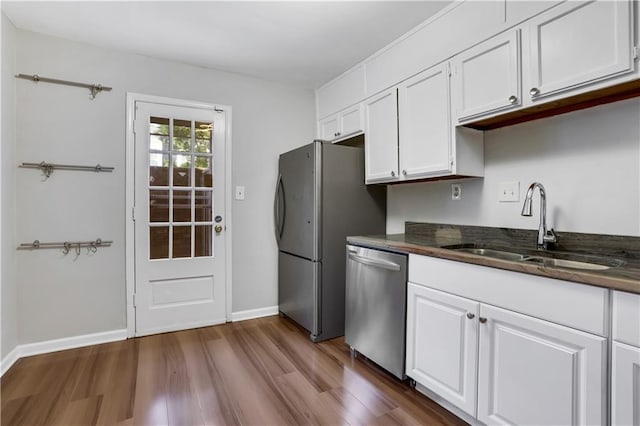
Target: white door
pixel 577 43
pixel 381 137
pixel 486 78
pixel 534 372
pixel 442 344
pixel 425 124
pixel 179 223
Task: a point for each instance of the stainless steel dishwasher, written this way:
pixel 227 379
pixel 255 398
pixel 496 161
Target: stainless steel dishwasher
pixel 376 301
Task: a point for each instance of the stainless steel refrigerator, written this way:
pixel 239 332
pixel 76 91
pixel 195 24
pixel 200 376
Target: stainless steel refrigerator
pixel 321 199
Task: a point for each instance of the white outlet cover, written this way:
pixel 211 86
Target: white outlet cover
pixel 509 192
pixel 456 191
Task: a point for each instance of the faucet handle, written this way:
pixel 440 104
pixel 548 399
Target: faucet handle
pixel 550 236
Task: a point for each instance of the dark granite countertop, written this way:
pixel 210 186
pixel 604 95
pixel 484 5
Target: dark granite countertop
pixel 429 239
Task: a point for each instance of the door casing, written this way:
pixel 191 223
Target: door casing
pixel 132 98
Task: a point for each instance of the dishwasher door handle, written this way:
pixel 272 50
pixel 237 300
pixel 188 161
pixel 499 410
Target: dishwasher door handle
pixel 378 263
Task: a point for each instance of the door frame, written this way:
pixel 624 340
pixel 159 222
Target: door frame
pixel 130 277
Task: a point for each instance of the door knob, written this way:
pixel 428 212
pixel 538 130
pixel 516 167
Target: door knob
pixel 218 229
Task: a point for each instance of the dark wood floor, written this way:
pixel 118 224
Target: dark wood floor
pixel 260 372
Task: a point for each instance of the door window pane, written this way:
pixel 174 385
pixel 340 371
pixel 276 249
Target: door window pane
pixel 203 137
pixel 159 242
pixel 203 238
pixel 158 206
pixel 204 177
pixel 204 206
pixel 181 170
pixel 181 241
pixel 181 135
pixel 182 206
pixel 158 169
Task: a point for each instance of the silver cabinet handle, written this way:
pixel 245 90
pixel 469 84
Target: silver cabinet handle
pixel 384 264
pixel 482 320
pixel 393 174
pixel 534 91
pixel 470 315
pixel 513 99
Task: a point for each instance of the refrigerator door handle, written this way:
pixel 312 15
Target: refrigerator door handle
pixel 279 214
pixel 384 264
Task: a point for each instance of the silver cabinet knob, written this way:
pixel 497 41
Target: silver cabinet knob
pixel 513 99
pixel 404 172
pixel 534 91
pixel 393 174
pixel 482 320
pixel 338 134
pixel 335 134
pixel 470 315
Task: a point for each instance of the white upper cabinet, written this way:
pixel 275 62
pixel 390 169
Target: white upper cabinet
pixel 578 43
pixel 425 124
pixel 342 92
pixel 346 123
pixel 487 78
pixel 328 129
pixel 409 133
pixel 534 372
pixel 381 137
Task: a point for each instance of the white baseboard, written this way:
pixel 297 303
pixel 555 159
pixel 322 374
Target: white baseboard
pixel 254 313
pixel 9 360
pixel 55 345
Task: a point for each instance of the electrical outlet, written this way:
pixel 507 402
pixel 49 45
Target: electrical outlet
pixel 239 192
pixel 456 191
pixel 509 192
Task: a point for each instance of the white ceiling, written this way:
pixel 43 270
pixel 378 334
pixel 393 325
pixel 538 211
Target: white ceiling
pixel 305 43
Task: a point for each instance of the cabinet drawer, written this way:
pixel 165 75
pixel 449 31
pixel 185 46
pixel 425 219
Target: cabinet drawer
pixel 575 305
pixel 626 318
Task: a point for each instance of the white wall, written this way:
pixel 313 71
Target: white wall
pixel 60 296
pixel 589 162
pixel 8 284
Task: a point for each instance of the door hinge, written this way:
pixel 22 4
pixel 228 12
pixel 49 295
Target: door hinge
pixel 134 300
pixel 635 52
pixel 133 213
pixel 451 161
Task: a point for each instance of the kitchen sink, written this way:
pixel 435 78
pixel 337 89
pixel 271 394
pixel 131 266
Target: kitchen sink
pixel 544 258
pixel 505 255
pixel 564 263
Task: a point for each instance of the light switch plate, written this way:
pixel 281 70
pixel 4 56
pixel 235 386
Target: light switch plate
pixel 509 192
pixel 239 192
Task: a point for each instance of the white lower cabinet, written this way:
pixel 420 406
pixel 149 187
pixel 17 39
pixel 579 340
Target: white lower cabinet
pixel 442 344
pixel 625 384
pixel 500 366
pixel 534 372
pixel 625 359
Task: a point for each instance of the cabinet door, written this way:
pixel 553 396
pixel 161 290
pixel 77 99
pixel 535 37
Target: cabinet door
pixel 442 344
pixel 329 128
pixel 425 124
pixel 625 384
pixel 578 43
pixel 486 78
pixel 538 373
pixel 381 137
pixel 350 121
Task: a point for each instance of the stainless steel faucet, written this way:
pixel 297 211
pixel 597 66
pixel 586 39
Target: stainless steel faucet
pixel 544 236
